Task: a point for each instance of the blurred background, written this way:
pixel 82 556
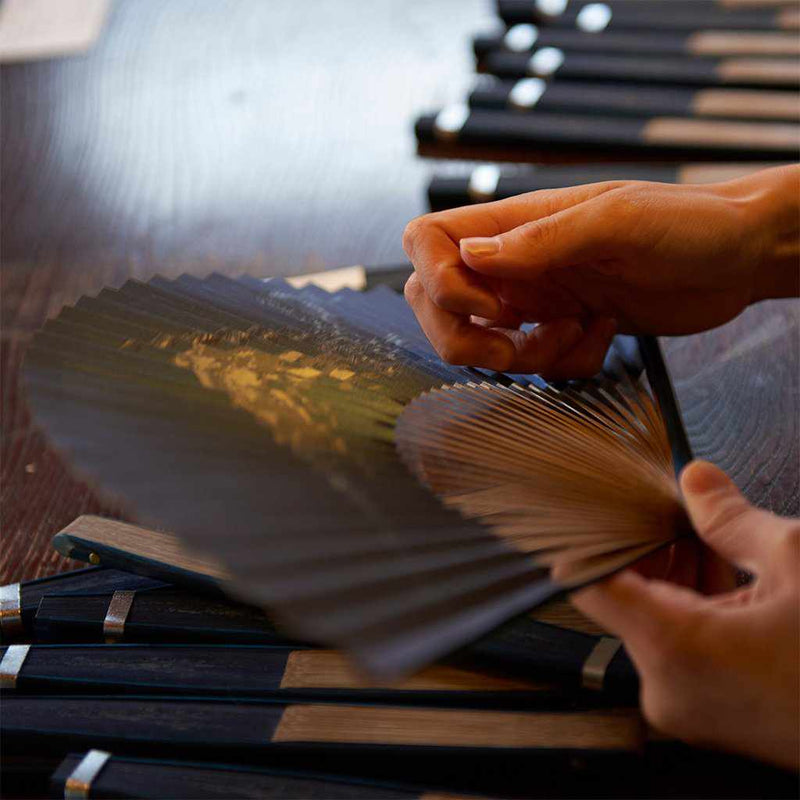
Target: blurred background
pixel 273 136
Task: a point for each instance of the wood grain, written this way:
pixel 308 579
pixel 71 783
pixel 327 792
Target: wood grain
pixel 320 669
pixel 412 726
pixel 721 133
pixel 720 43
pixel 766 71
pixel 154 546
pixel 752 104
pixel 738 388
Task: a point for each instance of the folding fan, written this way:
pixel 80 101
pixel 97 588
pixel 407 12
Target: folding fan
pixel 257 422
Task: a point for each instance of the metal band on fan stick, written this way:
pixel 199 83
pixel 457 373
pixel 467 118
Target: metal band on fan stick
pixel 11 665
pixel 119 607
pixel 11 609
pixel 78 785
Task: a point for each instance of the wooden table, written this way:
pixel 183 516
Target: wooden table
pixel 274 138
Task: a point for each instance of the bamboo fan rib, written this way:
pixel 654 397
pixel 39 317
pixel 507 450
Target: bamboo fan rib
pixel 580 479
pixel 255 421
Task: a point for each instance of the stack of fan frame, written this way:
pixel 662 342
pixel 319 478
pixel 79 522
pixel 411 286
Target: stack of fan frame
pixel 692 91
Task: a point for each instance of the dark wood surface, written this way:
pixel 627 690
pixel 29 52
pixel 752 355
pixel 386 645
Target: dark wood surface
pixel 247 136
pixel 274 139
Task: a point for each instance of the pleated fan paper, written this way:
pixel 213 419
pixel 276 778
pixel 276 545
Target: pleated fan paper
pixel 257 422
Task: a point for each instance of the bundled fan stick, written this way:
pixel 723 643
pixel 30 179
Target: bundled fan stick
pixel 162 615
pixel 525 36
pixel 579 97
pixel 550 62
pixel 281 673
pixel 108 775
pixel 255 421
pixel 173 615
pixel 19 601
pixel 206 724
pixel 542 135
pixel 649 15
pixel 487 182
pixel 155 554
pixel 496 752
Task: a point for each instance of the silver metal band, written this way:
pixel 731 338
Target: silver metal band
pixel 594 669
pixel 79 783
pixel 117 614
pixel 11 609
pixel 11 664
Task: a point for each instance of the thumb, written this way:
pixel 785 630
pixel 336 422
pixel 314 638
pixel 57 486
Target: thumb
pixel 723 518
pixel 636 609
pixel 567 238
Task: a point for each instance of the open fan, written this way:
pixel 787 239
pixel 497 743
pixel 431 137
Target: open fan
pixel 256 421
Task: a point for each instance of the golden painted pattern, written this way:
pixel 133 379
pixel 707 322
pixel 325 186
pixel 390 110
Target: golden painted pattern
pixel 321 405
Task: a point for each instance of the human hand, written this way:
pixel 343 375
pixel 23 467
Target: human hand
pixel 720 671
pixel 586 261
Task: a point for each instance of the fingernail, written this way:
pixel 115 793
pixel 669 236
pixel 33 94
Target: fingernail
pixel 701 477
pixel 480 246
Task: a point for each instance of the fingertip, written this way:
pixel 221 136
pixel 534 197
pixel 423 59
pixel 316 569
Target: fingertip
pixel 560 335
pixel 585 358
pixel 500 353
pixel 537 350
pixel 702 477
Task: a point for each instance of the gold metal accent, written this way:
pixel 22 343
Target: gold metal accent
pixel 11 610
pixel 94 558
pixel 12 662
pixel 117 614
pixel 79 783
pixel 594 669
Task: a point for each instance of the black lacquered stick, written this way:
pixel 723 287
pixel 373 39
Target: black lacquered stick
pixel 19 601
pixel 109 775
pixel 488 182
pixel 659 379
pixel 552 62
pixel 525 36
pixel 518 753
pixel 629 99
pixel 537 134
pixel 649 15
